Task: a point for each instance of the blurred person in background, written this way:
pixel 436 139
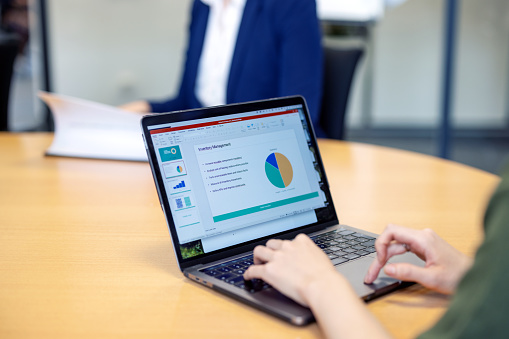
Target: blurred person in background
pixel 245 50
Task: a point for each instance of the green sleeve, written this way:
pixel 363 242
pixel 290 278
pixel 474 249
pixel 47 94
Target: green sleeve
pixel 480 307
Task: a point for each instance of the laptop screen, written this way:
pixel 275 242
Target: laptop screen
pixel 234 178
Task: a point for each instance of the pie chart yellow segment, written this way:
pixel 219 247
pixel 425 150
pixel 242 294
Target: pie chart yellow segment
pixel 285 168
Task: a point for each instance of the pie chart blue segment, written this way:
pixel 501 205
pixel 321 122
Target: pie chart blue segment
pixel 279 170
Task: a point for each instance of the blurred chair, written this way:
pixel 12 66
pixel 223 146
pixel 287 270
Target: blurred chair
pixel 9 45
pixel 339 70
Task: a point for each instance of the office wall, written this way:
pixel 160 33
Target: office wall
pixel 115 51
pixel 407 66
pixel 483 65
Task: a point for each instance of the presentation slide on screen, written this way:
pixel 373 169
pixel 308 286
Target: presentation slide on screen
pixel 256 176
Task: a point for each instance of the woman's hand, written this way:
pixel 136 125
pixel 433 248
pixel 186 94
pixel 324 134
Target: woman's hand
pixel 445 266
pixel 140 106
pixel 301 270
pixel 291 266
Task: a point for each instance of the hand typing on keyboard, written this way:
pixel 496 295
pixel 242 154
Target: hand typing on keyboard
pixel 302 270
pixel 291 266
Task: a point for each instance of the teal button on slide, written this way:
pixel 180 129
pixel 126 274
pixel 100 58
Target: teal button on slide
pixel 263 207
pixel 170 153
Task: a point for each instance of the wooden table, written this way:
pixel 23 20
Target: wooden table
pixel 84 249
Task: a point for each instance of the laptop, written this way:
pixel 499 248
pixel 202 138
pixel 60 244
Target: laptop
pixel 231 177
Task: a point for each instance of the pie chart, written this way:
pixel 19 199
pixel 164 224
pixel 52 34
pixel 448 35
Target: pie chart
pixel 279 170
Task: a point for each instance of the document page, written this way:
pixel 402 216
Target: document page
pixel 88 129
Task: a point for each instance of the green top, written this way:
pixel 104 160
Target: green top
pixel 480 307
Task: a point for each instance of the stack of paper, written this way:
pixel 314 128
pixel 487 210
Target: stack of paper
pixel 87 129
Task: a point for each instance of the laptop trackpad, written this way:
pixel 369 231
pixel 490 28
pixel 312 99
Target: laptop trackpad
pixel 355 271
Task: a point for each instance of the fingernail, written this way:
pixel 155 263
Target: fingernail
pixel 390 269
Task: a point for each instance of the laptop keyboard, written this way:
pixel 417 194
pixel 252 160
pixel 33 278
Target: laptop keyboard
pixel 344 245
pixel 339 245
pixel 232 271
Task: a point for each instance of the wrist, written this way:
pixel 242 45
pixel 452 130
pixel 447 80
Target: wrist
pixel 464 265
pixel 321 290
pixel 331 298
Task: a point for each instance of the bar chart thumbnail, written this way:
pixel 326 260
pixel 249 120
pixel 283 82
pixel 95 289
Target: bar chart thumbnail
pixel 181 184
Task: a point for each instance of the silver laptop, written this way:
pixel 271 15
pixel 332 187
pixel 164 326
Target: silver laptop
pixel 231 177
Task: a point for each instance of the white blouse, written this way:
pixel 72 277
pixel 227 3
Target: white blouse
pixel 218 47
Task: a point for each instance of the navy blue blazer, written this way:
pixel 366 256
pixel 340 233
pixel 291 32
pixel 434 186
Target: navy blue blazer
pixel 278 53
